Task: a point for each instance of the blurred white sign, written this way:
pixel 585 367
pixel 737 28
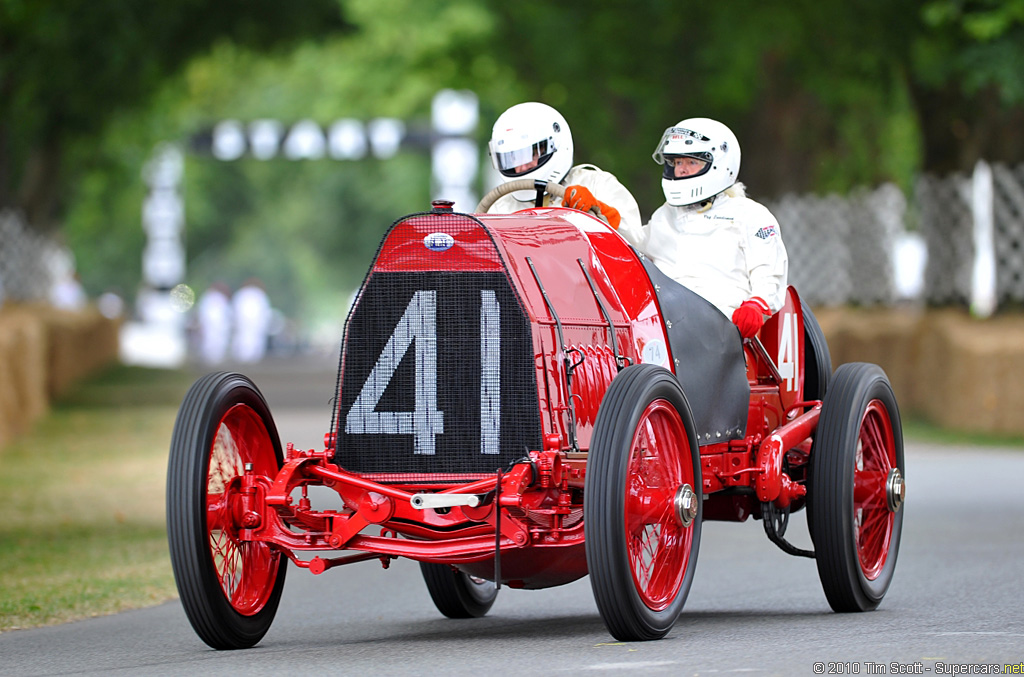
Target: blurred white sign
pixel 305 142
pixel 163 213
pixel 347 140
pixel 454 112
pixel 228 140
pixel 455 157
pixel 165 169
pixel 163 262
pixel 163 217
pixel 385 136
pixel 265 138
pixel 455 161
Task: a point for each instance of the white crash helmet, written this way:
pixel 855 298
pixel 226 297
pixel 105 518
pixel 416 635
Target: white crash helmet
pixel 531 141
pixel 708 141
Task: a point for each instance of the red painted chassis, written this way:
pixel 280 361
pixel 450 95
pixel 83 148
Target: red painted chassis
pixel 618 451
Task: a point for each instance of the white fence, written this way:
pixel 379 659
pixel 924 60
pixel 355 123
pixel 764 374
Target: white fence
pixel 841 248
pixel 859 248
pixel 30 262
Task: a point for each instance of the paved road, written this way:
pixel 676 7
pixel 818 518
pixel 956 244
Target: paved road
pixel 956 599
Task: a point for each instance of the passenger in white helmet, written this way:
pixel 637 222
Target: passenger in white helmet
pixel 532 141
pixel 708 235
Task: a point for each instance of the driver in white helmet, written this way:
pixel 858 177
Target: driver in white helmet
pixel 708 235
pixel 532 141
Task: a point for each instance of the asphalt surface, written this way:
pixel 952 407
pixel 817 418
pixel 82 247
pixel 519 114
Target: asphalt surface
pixel 955 602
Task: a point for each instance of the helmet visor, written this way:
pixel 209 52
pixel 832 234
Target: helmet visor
pixel 678 140
pixel 523 160
pixel 686 166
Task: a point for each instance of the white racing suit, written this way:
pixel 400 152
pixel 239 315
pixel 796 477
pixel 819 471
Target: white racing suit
pixel 727 253
pixel 605 188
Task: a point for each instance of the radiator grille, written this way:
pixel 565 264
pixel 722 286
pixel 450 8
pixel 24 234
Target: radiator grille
pixel 438 381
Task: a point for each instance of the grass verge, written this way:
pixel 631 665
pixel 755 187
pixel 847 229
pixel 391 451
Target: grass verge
pixel 920 430
pixel 82 521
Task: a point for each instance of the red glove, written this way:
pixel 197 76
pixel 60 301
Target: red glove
pixel 749 317
pixel 580 197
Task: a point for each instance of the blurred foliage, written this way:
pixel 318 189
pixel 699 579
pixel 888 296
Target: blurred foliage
pixel 981 43
pixel 824 95
pixel 67 69
pixel 815 91
pixel 306 228
pixel 969 85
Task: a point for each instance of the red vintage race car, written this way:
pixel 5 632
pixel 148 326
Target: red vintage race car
pixel 524 400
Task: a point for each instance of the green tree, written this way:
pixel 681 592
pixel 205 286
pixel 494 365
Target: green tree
pixel 823 94
pixel 969 86
pixel 814 89
pixel 67 69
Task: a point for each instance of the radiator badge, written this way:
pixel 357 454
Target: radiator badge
pixel 438 242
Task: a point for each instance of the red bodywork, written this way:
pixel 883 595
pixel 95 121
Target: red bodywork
pixel 536 506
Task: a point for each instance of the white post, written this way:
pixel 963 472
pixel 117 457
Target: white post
pixel 158 340
pixel 455 157
pixel 983 274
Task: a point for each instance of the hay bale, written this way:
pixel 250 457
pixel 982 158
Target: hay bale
pixel 80 342
pixel 975 367
pixel 43 352
pixel 23 370
pixel 890 338
pixel 956 371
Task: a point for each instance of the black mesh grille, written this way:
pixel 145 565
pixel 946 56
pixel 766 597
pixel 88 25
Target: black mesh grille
pixel 438 381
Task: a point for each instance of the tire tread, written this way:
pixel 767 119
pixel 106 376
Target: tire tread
pixel 210 614
pixel 607 560
pixel 851 388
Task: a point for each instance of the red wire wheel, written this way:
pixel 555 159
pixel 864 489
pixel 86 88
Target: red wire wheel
pixel 873 521
pixel 247 570
pixel 658 545
pixel 229 587
pixel 642 503
pixel 856 488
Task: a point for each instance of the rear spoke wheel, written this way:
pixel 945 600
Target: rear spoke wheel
pixel 856 488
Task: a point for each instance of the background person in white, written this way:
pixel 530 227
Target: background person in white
pixel 708 235
pixel 252 314
pixel 532 141
pixel 214 316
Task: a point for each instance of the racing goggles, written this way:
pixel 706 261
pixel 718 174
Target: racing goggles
pixel 686 166
pixel 523 160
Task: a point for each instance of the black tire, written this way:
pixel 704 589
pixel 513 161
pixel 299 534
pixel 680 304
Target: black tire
pixel 817 358
pixel 457 594
pixel 856 534
pixel 644 442
pixel 230 589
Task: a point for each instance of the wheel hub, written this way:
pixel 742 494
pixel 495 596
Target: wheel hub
pixel 685 503
pixel 895 490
